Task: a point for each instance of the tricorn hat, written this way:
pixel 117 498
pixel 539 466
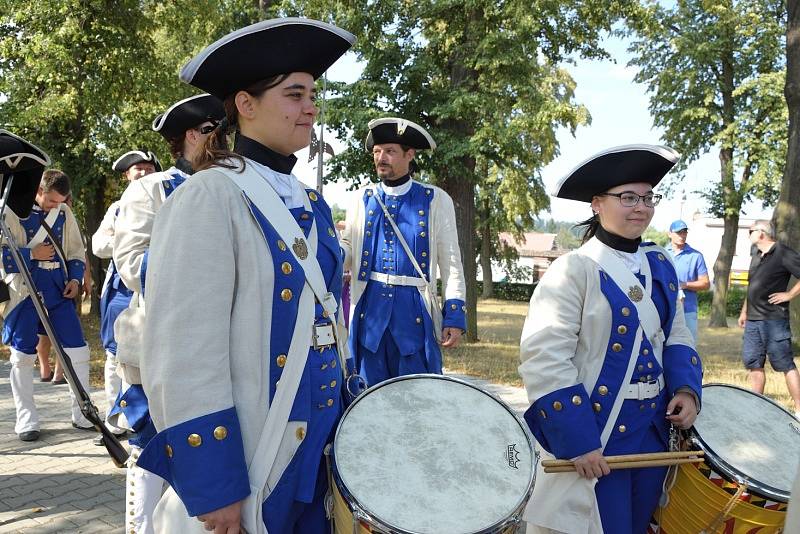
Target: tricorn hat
pixel 25 162
pixel 129 159
pixel 187 114
pixel 617 166
pixel 400 131
pixel 263 50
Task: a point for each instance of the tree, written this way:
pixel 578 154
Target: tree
pixel 481 75
pixel 715 73
pixel 787 211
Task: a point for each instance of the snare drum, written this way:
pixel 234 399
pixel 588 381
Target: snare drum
pixel 751 449
pixel 430 454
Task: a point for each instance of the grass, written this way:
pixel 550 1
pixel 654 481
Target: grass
pixel 496 356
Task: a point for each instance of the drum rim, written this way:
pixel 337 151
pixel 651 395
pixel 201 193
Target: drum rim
pixel 353 502
pixel 727 470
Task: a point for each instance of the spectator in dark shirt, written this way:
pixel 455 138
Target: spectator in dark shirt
pixel 765 312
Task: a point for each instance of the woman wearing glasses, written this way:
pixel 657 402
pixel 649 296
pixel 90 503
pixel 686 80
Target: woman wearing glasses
pixel 607 359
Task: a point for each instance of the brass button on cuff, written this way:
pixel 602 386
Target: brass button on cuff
pixel 168 450
pixel 557 406
pixel 220 433
pixel 313 196
pixel 616 347
pixel 694 362
pixel 194 440
pixel 543 414
pixel 622 329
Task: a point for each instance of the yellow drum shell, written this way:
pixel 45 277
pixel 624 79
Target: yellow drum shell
pixel 695 503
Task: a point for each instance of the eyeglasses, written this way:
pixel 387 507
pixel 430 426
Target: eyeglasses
pixel 630 199
pixel 750 232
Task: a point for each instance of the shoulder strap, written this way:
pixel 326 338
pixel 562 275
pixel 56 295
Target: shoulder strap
pixel 398 234
pixel 41 234
pixel 56 245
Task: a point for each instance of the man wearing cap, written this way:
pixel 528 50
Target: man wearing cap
pixel 398 234
pixel 185 125
pixel 115 296
pixel 606 359
pixel 692 272
pixel 50 243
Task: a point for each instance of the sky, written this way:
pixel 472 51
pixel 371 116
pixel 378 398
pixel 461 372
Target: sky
pixel 620 116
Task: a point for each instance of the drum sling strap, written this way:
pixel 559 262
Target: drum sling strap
pixel 649 324
pixel 253 185
pixel 436 317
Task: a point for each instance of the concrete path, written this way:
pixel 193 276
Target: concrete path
pixel 62 483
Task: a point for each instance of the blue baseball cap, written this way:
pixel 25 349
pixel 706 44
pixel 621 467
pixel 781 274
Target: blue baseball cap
pixel 677 226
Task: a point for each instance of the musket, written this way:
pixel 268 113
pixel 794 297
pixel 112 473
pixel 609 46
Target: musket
pixel 115 449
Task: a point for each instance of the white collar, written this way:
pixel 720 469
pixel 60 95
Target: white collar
pixel 287 186
pixel 399 190
pixel 632 260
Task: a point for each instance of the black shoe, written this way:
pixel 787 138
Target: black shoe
pixel 59 382
pixel 76 425
pixel 30 435
pixel 47 378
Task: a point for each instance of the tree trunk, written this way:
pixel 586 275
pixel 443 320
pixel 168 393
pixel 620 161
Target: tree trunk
pixel 95 209
pixel 787 212
pixel 722 266
pixel 486 250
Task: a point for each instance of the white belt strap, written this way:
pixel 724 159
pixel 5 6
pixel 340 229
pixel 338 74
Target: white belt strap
pixel 396 280
pixel 41 234
pixel 643 390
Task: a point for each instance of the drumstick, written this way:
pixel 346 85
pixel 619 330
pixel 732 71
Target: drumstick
pixel 628 465
pixel 670 455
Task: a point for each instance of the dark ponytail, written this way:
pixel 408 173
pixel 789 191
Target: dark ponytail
pixel 590 225
pixel 215 151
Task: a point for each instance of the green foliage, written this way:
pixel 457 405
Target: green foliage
pixel 733 304
pixel 510 291
pixel 338 213
pixel 656 236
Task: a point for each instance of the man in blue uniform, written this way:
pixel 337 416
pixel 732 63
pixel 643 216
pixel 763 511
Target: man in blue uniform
pixel 396 236
pixel 50 243
pixel 691 269
pixel 115 296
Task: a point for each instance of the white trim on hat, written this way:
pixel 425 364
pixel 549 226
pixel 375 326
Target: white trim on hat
pixel 402 126
pixel 665 152
pixel 17 157
pixel 190 69
pixel 159 121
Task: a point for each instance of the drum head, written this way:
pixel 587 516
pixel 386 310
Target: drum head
pixel 430 454
pixel 749 439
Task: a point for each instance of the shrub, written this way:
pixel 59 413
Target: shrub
pixel 733 306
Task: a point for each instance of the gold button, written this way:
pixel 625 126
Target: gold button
pixel 672 286
pixel 649 365
pixel 304 216
pixel 312 195
pixel 424 254
pixel 646 352
pixel 422 265
pixel 169 454
pixel 653 405
pixel 364 264
pixel 422 234
pixel 419 320
pixel 602 390
pixel 616 347
pixel 453 307
pixel 361 316
pixel 366 253
pixel 220 433
pixel 330 402
pixel 427 191
pixel 597 407
pixel 369 193
pixel 369 223
pixel 123 403
pixel 333 383
pixel 626 311
pixel 300 433
pixel 694 362
pixel 194 440
pixel 622 329
pixel 649 378
pixel 286 267
pixel 661 257
pixel 333 363
pixel 281 360
pixel 422 223
pixel 576 400
pixel 286 295
pixel 622 428
pixel 369 233
pixel 371 212
pixel 325 313
pixel 331 232
pixel 543 414
pixel 557 406
pixel 281 244
pixel 421 212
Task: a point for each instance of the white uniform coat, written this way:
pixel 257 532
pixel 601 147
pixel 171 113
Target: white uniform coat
pixel 444 250
pixel 564 341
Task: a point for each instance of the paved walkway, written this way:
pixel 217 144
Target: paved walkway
pixel 62 483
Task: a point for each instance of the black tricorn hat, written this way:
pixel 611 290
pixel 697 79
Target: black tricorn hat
pixel 617 166
pixel 25 162
pixel 263 50
pixel 129 159
pixel 187 114
pixel 400 131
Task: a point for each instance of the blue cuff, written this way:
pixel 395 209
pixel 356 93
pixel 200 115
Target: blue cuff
pixel 455 314
pixel 9 265
pixel 143 270
pixel 132 403
pixel 563 422
pixel 683 368
pixel 75 270
pixel 203 460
